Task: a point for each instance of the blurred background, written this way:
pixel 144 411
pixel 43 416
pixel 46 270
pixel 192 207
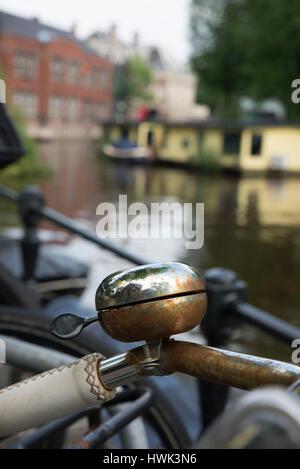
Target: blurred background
pixel 187 101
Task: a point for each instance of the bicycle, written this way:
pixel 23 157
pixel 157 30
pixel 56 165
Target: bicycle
pixel 35 349
pixel 148 303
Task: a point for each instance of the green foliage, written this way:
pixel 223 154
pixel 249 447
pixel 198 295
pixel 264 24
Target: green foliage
pixel 30 164
pixel 139 79
pixel 120 84
pixel 207 159
pixel 102 141
pixel 245 48
pixel 132 81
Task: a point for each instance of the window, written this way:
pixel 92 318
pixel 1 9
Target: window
pixel 102 79
pixel 27 102
pixel 65 108
pixel 57 70
pixel 102 110
pixel 73 109
pixel 88 79
pixel 56 107
pixel 150 138
pixel 125 132
pixel 87 110
pixel 256 145
pixel 99 78
pixel 232 141
pixel 25 65
pixel 73 73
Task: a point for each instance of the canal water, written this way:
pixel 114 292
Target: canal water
pixel 252 226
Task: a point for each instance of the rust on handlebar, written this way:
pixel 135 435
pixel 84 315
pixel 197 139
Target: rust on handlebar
pixel 226 367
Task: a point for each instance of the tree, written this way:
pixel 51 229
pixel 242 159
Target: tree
pixel 133 81
pixel 245 48
pixel 218 48
pixel 139 79
pixel 274 50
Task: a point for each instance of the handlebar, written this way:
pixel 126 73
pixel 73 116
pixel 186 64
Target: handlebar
pixel 92 380
pixel 207 363
pixel 51 395
pixel 227 367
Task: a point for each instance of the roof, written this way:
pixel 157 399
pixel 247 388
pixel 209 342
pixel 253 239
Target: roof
pixel 32 28
pixel 155 56
pixel 210 124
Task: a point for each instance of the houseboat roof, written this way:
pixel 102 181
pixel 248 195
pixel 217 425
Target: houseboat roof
pixel 208 124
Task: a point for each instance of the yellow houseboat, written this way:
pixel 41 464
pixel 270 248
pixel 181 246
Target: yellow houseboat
pixel 239 146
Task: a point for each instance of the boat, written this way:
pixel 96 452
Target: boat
pixel 127 151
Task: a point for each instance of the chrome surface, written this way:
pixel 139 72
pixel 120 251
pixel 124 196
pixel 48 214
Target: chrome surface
pixel 116 371
pixel 127 367
pixel 68 326
pixel 151 302
pixel 147 282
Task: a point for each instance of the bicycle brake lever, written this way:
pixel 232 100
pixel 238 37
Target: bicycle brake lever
pixel 69 326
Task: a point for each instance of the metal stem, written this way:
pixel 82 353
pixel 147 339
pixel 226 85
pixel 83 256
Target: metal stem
pixel 226 367
pixel 207 363
pixel 117 371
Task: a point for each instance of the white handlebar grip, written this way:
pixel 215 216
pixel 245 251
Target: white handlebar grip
pixel 52 395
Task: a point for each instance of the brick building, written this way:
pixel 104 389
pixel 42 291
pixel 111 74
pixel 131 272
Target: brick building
pixel 56 80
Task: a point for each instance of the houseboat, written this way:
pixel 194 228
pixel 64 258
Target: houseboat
pixel 250 147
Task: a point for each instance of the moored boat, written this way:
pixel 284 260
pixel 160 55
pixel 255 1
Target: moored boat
pixel 125 150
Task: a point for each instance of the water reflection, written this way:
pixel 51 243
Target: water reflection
pixel 252 225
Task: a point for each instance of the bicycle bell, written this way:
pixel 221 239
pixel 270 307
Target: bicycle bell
pixel 148 302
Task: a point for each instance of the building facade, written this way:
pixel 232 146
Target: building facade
pixel 58 83
pixel 173 89
pixel 109 45
pixel 174 95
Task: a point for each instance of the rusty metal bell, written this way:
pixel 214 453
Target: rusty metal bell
pixel 151 302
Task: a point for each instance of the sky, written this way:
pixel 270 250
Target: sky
pixel 158 22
